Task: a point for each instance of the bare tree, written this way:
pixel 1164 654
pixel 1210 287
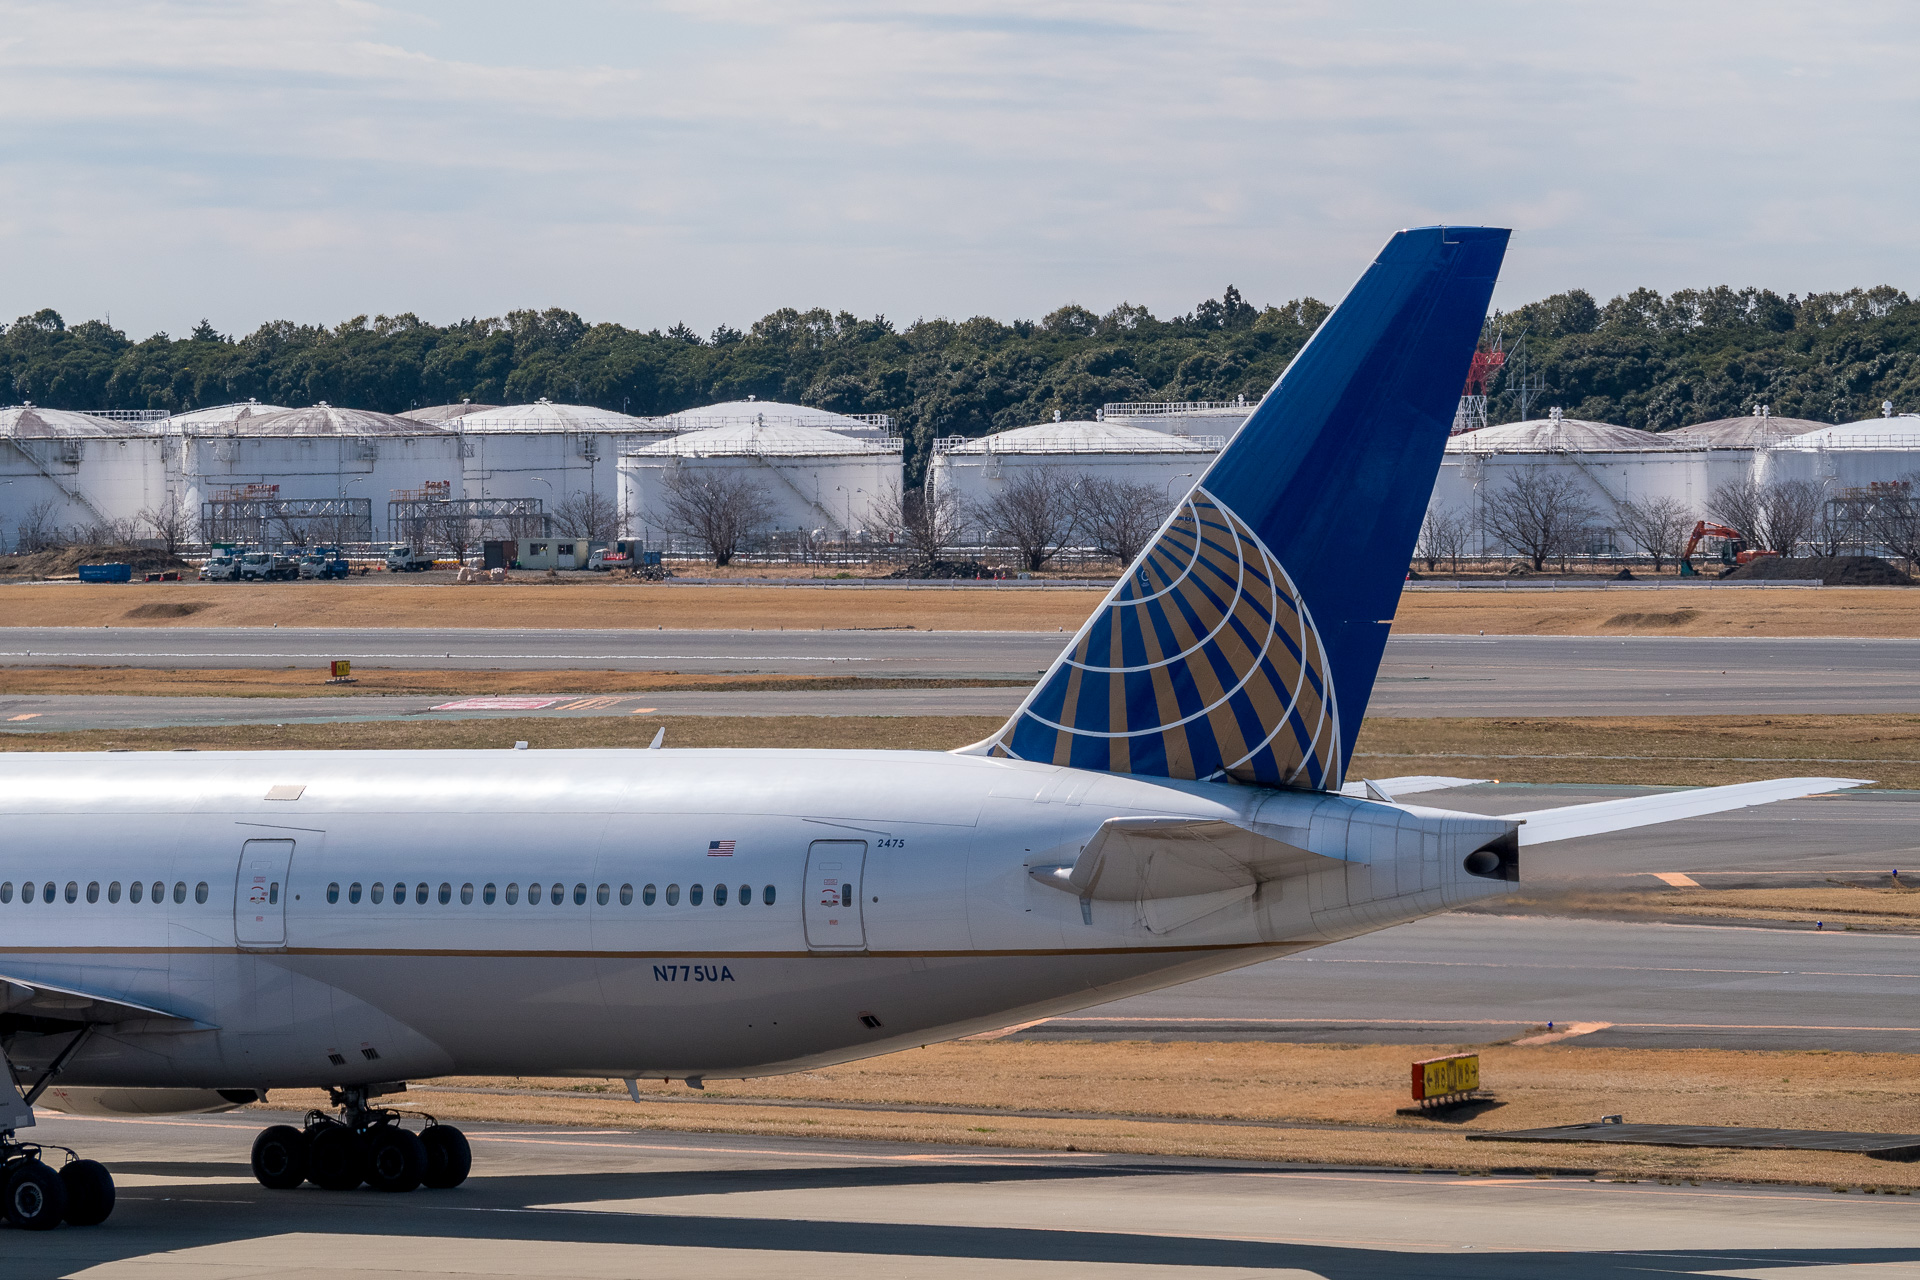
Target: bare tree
pixel 589 514
pixel 170 521
pixel 36 530
pixel 1443 536
pixel 1538 513
pixel 1790 513
pixel 714 507
pixel 1894 522
pixel 1742 505
pixel 928 522
pixel 1037 511
pixel 1658 526
pixel 1119 517
pixel 451 527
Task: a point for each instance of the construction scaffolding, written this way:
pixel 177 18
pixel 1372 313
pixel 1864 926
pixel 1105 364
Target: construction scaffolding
pixel 256 515
pixel 1858 519
pixel 431 516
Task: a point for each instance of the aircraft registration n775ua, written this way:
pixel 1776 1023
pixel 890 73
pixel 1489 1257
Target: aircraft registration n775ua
pixel 1169 801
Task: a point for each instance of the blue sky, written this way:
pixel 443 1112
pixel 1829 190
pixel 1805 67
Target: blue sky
pixel 660 162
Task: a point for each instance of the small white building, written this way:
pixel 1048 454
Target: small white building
pixel 815 479
pixel 66 471
pixel 973 469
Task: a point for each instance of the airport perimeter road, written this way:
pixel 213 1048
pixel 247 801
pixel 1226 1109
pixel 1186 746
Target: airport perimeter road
pixel 1472 978
pixel 609 1203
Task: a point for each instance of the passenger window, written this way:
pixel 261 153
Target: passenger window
pixel 135 891
pixel 646 896
pixel 47 892
pixel 486 894
pixel 200 893
pixel 466 895
pixel 719 895
pixel 846 895
pixel 353 892
pixel 626 895
pixel 113 892
pixel 513 894
pixel 533 893
pixel 673 895
pixel 558 894
pixel 273 893
pixel 93 891
pixel 446 893
pixel 179 892
pixel 26 891
pixel 6 891
pixel 159 892
pixel 580 895
pixel 746 895
pixel 333 893
pixel 379 894
pixel 766 895
pixel 420 893
pixel 694 894
pixel 73 891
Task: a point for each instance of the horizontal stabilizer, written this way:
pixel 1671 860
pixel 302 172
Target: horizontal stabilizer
pixel 1179 868
pixel 1545 825
pixel 31 998
pixel 1394 788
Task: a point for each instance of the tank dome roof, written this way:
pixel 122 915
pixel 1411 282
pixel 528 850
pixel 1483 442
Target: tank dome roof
pixel 1081 437
pixel 1553 435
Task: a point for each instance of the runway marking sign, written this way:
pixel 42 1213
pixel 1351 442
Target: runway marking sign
pixel 1436 1078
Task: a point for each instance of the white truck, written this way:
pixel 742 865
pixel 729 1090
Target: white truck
pixel 405 559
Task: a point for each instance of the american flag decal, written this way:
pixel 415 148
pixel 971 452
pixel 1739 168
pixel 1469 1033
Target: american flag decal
pixel 720 848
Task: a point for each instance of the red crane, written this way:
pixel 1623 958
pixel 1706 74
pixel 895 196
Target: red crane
pixel 1736 544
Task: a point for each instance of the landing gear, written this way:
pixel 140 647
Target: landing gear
pixel 364 1144
pixel 35 1196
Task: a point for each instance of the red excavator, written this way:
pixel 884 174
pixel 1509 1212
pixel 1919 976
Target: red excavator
pixel 1733 554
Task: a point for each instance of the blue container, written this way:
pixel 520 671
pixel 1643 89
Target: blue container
pixel 106 573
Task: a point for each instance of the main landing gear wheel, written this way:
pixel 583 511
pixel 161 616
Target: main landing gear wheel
pixel 36 1197
pixel 449 1158
pixel 336 1157
pixel 280 1157
pixel 89 1192
pixel 396 1159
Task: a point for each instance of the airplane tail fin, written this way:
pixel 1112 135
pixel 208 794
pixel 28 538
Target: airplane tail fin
pixel 1244 641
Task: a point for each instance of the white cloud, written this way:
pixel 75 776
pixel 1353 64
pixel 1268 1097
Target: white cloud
pixel 709 162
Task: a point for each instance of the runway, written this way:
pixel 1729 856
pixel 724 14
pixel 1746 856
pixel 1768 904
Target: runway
pixel 555 1202
pixel 1422 675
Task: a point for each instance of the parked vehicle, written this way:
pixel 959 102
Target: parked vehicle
pixel 266 566
pixel 223 565
pixel 324 562
pixel 605 558
pixel 405 559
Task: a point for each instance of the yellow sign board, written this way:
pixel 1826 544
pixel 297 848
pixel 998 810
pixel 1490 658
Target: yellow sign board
pixel 1443 1077
pixel 342 668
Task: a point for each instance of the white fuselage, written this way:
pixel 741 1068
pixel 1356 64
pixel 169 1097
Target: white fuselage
pixel 872 901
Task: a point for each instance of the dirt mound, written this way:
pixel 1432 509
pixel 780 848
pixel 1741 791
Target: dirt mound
pixel 1835 571
pixel 66 561
pixel 169 609
pixel 1667 618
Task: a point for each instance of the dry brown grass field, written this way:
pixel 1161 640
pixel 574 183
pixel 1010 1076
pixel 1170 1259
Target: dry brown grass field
pixel 588 601
pixel 1318 1103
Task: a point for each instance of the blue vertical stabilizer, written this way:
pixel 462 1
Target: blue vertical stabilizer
pixel 1245 640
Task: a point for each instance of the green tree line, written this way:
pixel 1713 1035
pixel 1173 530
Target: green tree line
pixel 1642 359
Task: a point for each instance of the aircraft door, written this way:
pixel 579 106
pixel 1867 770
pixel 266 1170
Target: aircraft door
pixel 260 893
pixel 832 905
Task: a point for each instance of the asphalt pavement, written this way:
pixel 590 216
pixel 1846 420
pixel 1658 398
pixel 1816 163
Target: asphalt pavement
pixel 548 1201
pixel 1422 675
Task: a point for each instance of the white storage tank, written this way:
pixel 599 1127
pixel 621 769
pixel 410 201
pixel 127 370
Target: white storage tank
pixel 1756 430
pixel 555 452
pixel 775 413
pixel 75 472
pixel 319 452
pixel 445 412
pixel 815 479
pixel 1851 455
pixel 1612 465
pixel 972 470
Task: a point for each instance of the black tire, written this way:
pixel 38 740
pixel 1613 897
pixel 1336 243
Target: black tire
pixel 89 1192
pixel 36 1199
pixel 336 1158
pixel 449 1158
pixel 396 1159
pixel 280 1157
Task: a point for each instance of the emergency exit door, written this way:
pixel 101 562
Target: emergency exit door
pixel 833 902
pixel 260 894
